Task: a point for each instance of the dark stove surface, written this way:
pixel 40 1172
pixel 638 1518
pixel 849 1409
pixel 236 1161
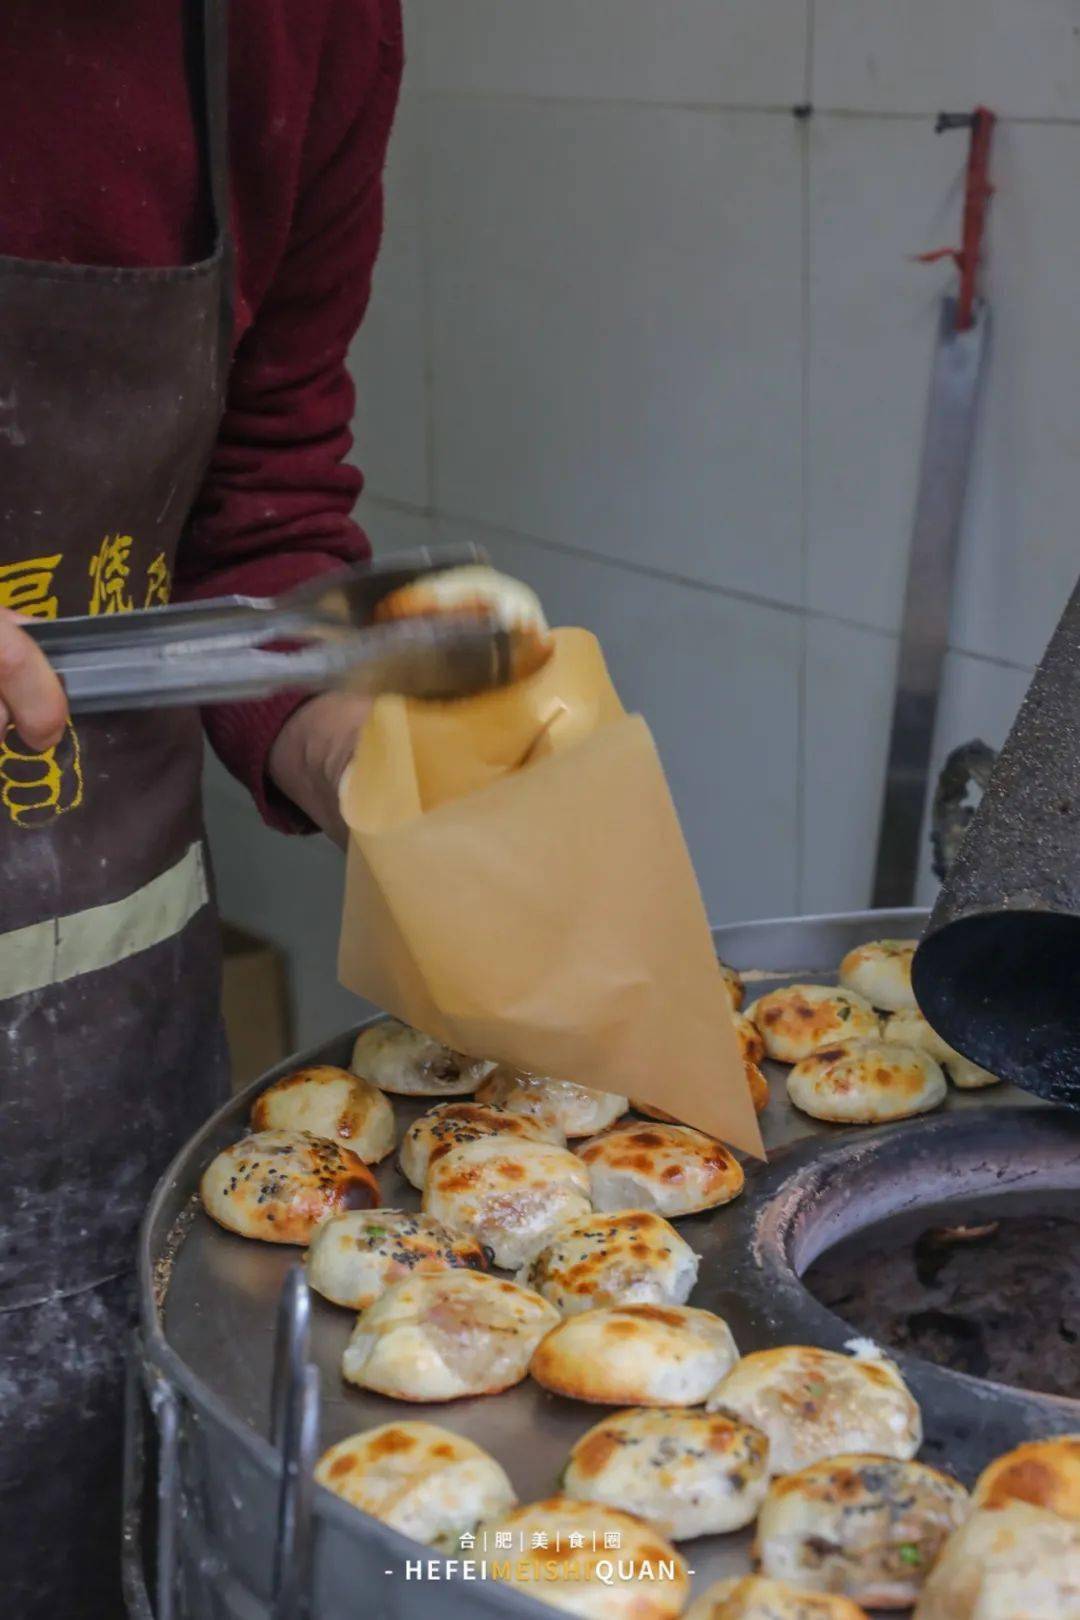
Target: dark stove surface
pixel 989 1287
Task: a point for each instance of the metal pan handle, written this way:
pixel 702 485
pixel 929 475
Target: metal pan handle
pixel 145 1388
pixel 295 1432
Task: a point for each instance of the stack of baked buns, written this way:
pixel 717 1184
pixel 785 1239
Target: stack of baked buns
pixel 860 1051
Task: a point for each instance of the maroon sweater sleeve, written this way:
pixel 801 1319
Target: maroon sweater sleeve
pixel 275 507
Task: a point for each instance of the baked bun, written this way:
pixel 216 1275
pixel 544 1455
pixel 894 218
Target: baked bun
pixel 452 1123
pixel 1042 1473
pixel 750 1039
pixel 752 1597
pixel 510 1195
pixel 1015 1562
pixel 733 982
pixel 558 1555
pixel 399 1059
pixel 867 1527
pixel 865 1082
pixel 576 1110
pixel 759 1087
pixel 636 1355
pixel 909 1028
pixel 278 1185
pixel 329 1102
pixel 356 1256
pixel 881 971
pixel 630 1258
pixel 438 1338
pixel 478 589
pixel 421 1480
pixel 689 1473
pixel 814 1404
pixel 799 1018
pixel 671 1169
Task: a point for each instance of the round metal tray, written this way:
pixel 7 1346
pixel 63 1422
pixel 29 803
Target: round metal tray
pixel 209 1300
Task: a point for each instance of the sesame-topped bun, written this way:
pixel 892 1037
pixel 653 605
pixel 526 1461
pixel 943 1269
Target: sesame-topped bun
pixel 402 1060
pixel 357 1255
pixel 815 1403
pixel 867 1527
pixel 476 588
pixel 688 1472
pixel 560 1556
pixel 329 1102
pixel 1043 1473
pixel 438 1338
pixel 632 1257
pixel 909 1028
pixel 671 1169
pixel 881 971
pixel 866 1082
pixel 510 1195
pixel 752 1597
pixel 420 1479
pixel 636 1355
pixel 733 982
pixel 452 1123
pixel 576 1110
pixel 1013 1562
pixel 278 1185
pixel 795 1020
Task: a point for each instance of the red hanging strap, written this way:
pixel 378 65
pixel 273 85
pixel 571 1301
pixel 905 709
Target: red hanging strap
pixel 977 194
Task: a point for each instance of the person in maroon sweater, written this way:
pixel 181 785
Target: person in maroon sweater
pixel 98 166
pixel 175 313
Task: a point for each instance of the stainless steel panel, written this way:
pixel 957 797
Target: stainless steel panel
pixel 924 629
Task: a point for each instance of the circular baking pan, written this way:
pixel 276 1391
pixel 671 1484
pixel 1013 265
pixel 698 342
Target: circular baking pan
pixel 209 1301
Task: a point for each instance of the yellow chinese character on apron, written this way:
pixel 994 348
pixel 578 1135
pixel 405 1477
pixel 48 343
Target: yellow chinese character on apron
pixel 35 787
pixel 158 582
pixel 109 570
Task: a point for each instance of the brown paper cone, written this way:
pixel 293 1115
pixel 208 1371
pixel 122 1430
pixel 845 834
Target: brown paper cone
pixel 542 913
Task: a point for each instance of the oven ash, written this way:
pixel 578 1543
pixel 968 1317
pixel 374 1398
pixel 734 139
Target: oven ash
pixel 995 1298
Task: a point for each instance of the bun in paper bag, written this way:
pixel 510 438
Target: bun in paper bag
pixel 518 887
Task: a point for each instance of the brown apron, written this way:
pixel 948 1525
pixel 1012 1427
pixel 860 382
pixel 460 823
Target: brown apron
pixel 111 387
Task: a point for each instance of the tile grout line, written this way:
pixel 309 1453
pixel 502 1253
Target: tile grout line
pixel 804 478
pixel 390 503
pixel 773 108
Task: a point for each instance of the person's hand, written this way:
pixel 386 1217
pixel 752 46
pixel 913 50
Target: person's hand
pixel 32 698
pixel 311 752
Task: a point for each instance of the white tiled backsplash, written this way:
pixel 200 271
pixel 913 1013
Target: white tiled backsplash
pixel 663 346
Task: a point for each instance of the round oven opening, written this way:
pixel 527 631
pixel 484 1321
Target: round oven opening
pixel 953 1242
pixel 987 1285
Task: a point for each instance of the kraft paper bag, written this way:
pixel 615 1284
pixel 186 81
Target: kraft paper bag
pixel 518 887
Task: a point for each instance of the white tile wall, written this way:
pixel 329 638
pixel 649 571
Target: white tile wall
pixel 849 686
pixel 880 192
pixel 616 332
pixel 387 359
pixel 1021 57
pixel 737 52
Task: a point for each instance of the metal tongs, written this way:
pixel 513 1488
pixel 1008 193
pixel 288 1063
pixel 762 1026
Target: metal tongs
pixel 320 635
